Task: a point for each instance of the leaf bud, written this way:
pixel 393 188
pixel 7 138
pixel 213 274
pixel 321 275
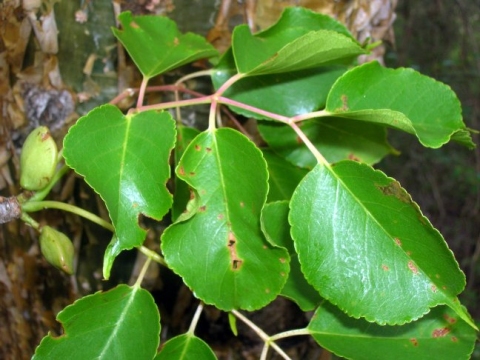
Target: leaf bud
pixel 57 249
pixel 38 159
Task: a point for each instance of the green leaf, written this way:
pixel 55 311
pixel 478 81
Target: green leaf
pixel 288 94
pixel 277 231
pixel 403 99
pixel 438 335
pixel 123 323
pixel 335 139
pixel 366 247
pixel 283 176
pixel 301 39
pixel 125 160
pixel 157 46
pixel 217 245
pixel 185 347
pixel 181 195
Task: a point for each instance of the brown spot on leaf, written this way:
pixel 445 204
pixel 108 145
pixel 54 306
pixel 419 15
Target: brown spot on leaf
pixel 282 260
pixel 414 341
pixel 444 287
pixel 134 25
pixel 181 171
pixel 208 149
pixel 434 288
pixel 409 253
pixel 202 208
pixel 394 189
pixel 385 267
pixel 176 41
pixel 265 247
pixel 220 216
pixel 299 140
pixel 454 339
pixel 440 332
pixel 191 173
pixel 198 147
pixel 282 274
pixel 352 156
pixel 192 195
pixel 412 267
pixel 450 319
pixel 135 205
pixel 397 241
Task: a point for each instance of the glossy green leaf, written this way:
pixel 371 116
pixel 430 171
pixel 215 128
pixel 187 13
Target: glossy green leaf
pixel 123 323
pixel 288 94
pixel 301 39
pixel 403 99
pixel 185 347
pixel 283 177
pixel 438 335
pixel 277 231
pixel 125 160
pixel 336 139
pixel 366 247
pixel 181 195
pixel 217 245
pixel 157 46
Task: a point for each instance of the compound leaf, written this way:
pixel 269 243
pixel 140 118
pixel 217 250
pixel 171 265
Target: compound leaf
pixel 122 323
pixel 157 46
pixel 125 160
pixel 217 245
pixel 438 335
pixel 403 99
pixel 366 247
pixel 185 347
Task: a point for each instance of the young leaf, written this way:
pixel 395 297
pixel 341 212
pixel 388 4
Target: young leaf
pixel 301 39
pixel 185 347
pixel 336 139
pixel 125 160
pixel 438 335
pixel 156 46
pixel 287 94
pixel 366 247
pixel 217 245
pixel 283 177
pixel 277 231
pixel 403 99
pixel 123 323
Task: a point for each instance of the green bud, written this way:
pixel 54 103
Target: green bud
pixel 57 249
pixel 38 159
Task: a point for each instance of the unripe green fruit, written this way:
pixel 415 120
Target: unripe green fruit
pixel 57 249
pixel 38 159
